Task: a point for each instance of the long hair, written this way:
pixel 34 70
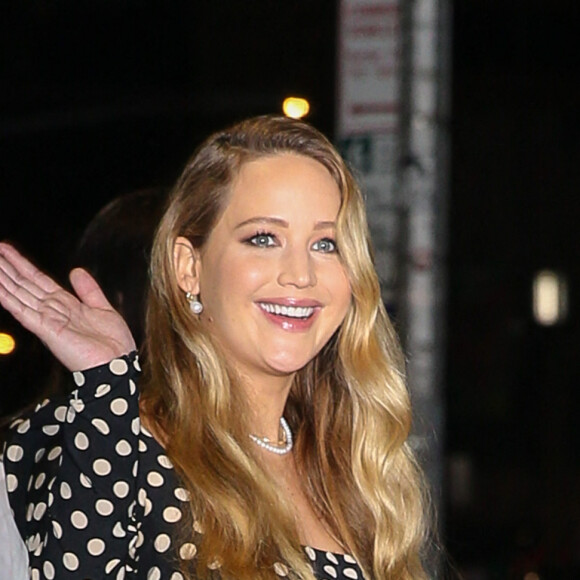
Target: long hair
pixel 348 408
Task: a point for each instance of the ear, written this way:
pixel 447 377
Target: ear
pixel 186 264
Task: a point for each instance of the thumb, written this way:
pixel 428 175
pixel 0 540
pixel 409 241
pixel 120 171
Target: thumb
pixel 88 290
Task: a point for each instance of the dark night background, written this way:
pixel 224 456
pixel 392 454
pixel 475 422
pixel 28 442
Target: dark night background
pixel 99 98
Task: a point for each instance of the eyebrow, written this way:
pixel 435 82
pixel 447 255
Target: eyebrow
pixel 282 223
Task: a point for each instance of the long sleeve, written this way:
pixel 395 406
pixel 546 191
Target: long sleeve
pixel 71 469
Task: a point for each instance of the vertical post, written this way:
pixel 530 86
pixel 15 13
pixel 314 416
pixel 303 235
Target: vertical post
pixel 424 183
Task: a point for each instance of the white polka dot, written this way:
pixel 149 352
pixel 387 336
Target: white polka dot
pixel 111 565
pixel 119 407
pixel 60 413
pixel 146 431
pixel 118 531
pixel 154 574
pixel 56 530
pixel 187 551
pixel 155 479
pixel 54 453
pixel 350 573
pixel 123 448
pixel 330 570
pixel 79 520
pixel 162 543
pixel 101 426
pixel 101 467
pixel 81 441
pixel 33 542
pixel 70 415
pixel 95 547
pixel 24 426
pixel 140 539
pixel 51 429
pixel 50 498
pixel 142 446
pixel 332 558
pixel 85 481
pixel 39 480
pixel 136 426
pixel 11 482
pixel 34 574
pixel 148 507
pixel 102 390
pixel 176 576
pixel 121 574
pixel 215 564
pixel 78 405
pixel 48 569
pixel 310 553
pixel 104 507
pixel 181 494
pixel 280 569
pixel 70 561
pixel 79 378
pixel 197 527
pixel 136 364
pixel 132 387
pixel 15 453
pixel 121 489
pixel 118 367
pixel 135 468
pixel 171 515
pixel 65 490
pixel 164 461
pixel 349 559
pixel 39 455
pixel 39 511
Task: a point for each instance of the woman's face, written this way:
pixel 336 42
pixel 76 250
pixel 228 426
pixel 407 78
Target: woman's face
pixel 270 277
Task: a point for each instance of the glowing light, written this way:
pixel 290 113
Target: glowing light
pixel 531 576
pixel 7 343
pixel 550 298
pixel 295 107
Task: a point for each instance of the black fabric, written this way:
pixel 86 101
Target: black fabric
pixel 94 495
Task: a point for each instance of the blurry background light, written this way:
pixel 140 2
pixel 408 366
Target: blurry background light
pixel 7 343
pixel 550 298
pixel 295 107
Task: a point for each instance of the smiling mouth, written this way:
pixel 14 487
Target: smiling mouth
pixel 301 312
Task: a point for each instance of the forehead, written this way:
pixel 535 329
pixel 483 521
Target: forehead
pixel 284 180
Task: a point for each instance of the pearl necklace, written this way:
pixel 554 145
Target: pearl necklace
pixel 264 442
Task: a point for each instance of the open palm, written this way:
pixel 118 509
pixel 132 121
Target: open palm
pixel 81 331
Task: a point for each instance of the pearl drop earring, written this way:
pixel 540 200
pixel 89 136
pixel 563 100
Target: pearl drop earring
pixel 194 303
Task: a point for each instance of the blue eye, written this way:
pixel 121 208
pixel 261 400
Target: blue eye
pixel 325 245
pixel 262 240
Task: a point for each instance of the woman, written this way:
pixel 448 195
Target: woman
pixel 270 436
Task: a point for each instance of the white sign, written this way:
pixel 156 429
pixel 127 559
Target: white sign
pixel 369 54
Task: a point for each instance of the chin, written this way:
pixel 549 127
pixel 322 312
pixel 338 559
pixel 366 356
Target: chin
pixel 289 366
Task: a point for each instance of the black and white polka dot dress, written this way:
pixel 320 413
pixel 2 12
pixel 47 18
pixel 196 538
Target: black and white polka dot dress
pixel 94 495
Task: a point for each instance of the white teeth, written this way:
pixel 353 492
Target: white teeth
pixel 290 311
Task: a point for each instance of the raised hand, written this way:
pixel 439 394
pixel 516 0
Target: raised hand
pixel 81 331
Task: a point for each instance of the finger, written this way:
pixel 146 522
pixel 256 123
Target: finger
pixel 14 281
pixel 25 271
pixel 27 316
pixel 88 290
pixel 17 290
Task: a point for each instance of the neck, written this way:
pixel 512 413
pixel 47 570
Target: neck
pixel 267 399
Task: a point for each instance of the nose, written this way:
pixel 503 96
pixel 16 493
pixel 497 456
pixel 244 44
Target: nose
pixel 297 268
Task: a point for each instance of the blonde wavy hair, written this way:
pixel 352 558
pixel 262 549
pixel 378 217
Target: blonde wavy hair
pixel 348 408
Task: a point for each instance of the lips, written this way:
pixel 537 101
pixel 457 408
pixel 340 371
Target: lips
pixel 291 314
